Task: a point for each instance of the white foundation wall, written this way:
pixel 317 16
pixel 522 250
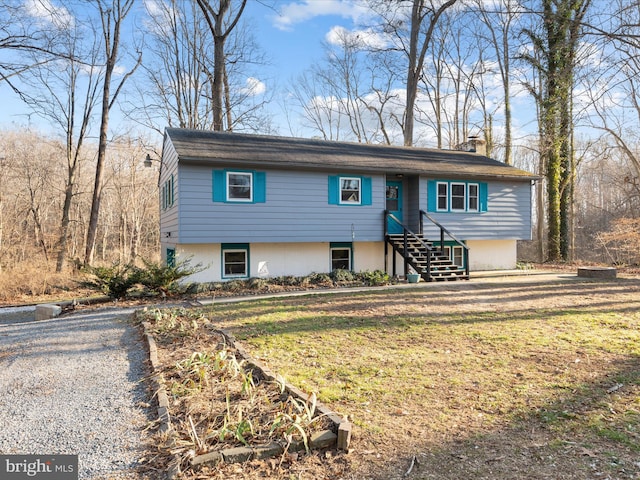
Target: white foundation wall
pixel 279 259
pixel 492 254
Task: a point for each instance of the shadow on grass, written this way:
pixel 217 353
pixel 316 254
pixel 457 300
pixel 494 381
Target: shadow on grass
pixel 593 432
pixel 340 311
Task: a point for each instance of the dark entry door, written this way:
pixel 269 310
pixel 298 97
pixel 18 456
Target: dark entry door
pixel 394 206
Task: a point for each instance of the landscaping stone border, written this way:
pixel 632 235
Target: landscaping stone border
pixel 339 436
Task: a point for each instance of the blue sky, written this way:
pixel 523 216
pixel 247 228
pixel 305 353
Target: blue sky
pixel 290 32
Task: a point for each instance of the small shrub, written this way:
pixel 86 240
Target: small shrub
pixel 114 281
pixel 286 281
pixel 256 283
pixel 375 278
pixel 342 276
pixel 234 286
pixel 321 279
pixel 162 279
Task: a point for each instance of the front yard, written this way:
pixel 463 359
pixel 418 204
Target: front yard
pixel 493 379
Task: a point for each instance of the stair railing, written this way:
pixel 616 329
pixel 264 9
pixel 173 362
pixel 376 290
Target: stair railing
pixel 406 234
pixel 443 232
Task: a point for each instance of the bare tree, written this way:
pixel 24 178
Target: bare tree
pixel 112 17
pixel 615 96
pixel 221 21
pixel 65 92
pixel 177 91
pixel 499 28
pixel 424 17
pixel 347 95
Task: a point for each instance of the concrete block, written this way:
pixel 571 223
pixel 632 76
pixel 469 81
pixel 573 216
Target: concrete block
pixel 47 311
pixel 344 436
pixel 597 272
pixel 207 458
pixel 237 455
pixel 322 439
pixel 267 451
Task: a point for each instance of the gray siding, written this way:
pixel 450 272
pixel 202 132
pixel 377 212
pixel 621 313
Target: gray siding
pixel 296 210
pixel 169 217
pixel 508 215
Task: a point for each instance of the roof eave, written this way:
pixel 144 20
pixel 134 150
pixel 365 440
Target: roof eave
pixel 193 160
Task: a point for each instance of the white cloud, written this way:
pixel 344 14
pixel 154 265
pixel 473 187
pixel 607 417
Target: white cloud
pixel 363 38
pixel 46 12
pixel 254 87
pixel 297 12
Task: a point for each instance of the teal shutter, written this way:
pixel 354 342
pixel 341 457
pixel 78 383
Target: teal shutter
pixel 484 197
pixel 171 257
pixel 219 194
pixel 334 190
pixel 366 191
pixel 259 187
pixel 432 196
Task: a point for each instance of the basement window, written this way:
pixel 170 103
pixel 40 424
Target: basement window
pixel 235 260
pixel 341 256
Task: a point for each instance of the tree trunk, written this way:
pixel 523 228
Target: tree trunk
pixel 416 59
pixel 64 228
pixel 97 185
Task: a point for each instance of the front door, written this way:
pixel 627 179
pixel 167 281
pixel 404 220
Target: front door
pixel 394 206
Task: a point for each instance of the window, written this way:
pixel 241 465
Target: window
pixel 393 202
pixel 457 196
pixel 235 260
pixel 341 256
pixel 239 187
pixel 458 191
pixel 472 197
pixel 443 196
pixel 167 193
pixel 234 186
pixel 350 190
pixel 456 255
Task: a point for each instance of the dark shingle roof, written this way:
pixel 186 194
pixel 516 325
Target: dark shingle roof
pixel 251 151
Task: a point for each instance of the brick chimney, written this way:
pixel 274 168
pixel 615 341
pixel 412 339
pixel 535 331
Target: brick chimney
pixel 474 144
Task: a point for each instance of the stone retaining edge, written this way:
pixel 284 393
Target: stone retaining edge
pixel 340 435
pixel 157 384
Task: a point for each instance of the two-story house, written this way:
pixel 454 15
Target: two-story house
pixel 251 205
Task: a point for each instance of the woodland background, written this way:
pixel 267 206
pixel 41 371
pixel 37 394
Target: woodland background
pixel 411 72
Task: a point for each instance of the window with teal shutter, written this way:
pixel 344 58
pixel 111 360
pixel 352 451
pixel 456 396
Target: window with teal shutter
pixel 350 190
pixel 239 186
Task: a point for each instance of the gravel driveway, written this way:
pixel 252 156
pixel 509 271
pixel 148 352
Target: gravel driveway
pixel 74 385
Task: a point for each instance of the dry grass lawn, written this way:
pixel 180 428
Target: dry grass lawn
pixel 532 377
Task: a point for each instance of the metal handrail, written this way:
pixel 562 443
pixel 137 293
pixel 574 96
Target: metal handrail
pixel 443 230
pixel 406 232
